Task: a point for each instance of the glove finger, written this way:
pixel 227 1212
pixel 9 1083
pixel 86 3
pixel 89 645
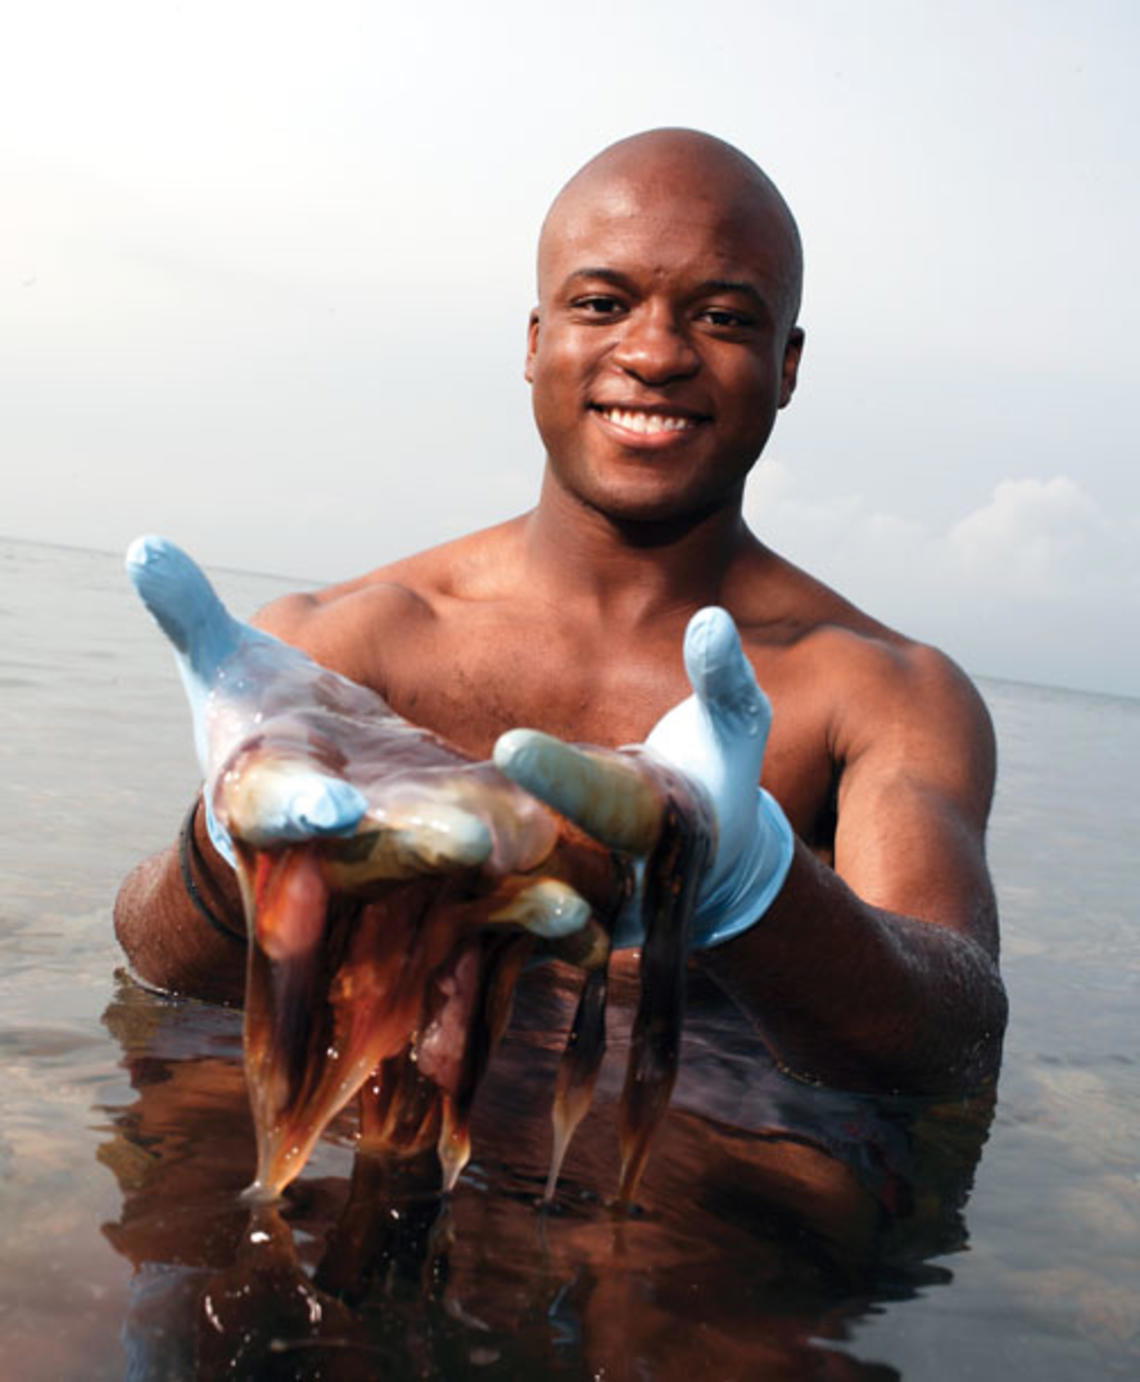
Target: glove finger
pixel 275 802
pixel 207 639
pixel 725 684
pixel 609 796
pixel 175 590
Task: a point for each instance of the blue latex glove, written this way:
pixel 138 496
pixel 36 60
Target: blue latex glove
pixel 716 738
pixel 225 667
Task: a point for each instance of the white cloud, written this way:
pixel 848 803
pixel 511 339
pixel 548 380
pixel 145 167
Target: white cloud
pixel 1038 582
pixel 1033 538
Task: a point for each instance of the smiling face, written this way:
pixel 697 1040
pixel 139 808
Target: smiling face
pixel 664 340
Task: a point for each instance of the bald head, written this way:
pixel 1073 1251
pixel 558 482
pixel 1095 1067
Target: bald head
pixel 679 172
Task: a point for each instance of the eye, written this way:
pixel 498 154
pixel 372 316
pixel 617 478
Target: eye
pixel 598 305
pixel 726 318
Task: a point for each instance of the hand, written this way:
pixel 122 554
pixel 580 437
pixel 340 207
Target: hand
pixel 716 738
pixel 225 665
pixel 292 752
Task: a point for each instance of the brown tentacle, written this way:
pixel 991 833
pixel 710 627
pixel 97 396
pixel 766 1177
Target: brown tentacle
pixel 578 1070
pixel 671 874
pixel 362 989
pixel 400 1110
pixel 502 961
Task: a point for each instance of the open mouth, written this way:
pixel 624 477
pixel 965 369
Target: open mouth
pixel 647 422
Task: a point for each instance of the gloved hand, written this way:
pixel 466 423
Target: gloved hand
pixel 716 738
pixel 226 667
pixel 293 752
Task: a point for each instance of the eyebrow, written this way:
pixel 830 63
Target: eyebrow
pixel 619 280
pixel 732 285
pixel 710 285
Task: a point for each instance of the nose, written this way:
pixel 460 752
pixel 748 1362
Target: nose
pixel 653 350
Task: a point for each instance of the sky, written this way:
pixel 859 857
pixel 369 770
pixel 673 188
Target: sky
pixel 265 271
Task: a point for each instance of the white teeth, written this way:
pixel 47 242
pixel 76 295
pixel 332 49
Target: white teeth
pixel 647 423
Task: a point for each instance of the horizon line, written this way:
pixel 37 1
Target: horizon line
pixel 313 580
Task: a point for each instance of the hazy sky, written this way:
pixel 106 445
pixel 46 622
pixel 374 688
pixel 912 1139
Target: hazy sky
pixel 265 270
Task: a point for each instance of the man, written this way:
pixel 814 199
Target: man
pixel 663 344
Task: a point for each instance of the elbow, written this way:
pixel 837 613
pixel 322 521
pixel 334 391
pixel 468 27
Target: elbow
pixel 964 1056
pixel 165 947
pixel 130 907
pixel 947 1041
pixel 982 1049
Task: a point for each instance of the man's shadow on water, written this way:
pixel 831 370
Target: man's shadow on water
pixel 773 1216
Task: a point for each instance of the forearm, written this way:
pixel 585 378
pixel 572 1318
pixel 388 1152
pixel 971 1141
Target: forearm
pixel 167 939
pixel 854 995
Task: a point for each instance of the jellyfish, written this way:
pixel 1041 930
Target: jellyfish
pixel 394 888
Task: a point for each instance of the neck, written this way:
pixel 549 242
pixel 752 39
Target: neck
pixel 635 570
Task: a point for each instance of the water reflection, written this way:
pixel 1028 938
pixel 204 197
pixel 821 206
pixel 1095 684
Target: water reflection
pixel 772 1217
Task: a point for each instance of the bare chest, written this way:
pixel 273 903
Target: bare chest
pixel 472 684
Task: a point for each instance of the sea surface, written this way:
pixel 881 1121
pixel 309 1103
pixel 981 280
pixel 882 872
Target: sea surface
pixel 785 1232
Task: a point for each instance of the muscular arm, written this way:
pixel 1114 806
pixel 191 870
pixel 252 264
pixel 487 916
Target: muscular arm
pixel 882 974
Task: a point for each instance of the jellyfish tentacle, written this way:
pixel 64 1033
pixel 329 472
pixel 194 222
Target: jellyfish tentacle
pixel 502 961
pixel 672 874
pixel 392 848
pixel 548 908
pixel 578 1070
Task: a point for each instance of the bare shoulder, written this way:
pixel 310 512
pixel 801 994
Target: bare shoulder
pixel 347 626
pixel 915 711
pixel 884 698
pixel 911 749
pixel 908 720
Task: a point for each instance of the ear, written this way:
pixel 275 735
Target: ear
pixel 791 367
pixel 531 346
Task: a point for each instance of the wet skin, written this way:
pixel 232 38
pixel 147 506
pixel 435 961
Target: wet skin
pixel 876 966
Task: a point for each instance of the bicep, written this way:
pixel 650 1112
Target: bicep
pixel 913 803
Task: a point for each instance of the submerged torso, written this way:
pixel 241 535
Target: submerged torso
pixel 767 1205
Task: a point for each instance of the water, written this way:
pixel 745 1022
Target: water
pixel 786 1233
